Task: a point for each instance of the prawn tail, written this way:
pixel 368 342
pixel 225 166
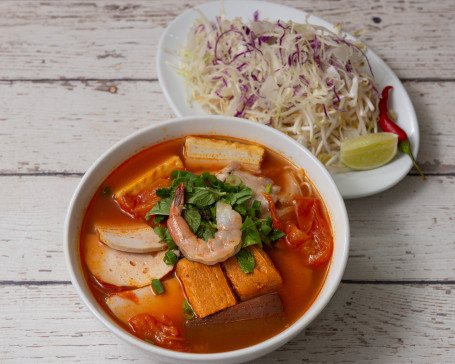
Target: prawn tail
pixel 178 201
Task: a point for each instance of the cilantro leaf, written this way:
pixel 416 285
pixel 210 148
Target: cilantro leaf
pixel 204 196
pixel 165 236
pixel 162 207
pixel 187 178
pixel 243 195
pixel 276 234
pixel 266 229
pixel 206 230
pixel 164 192
pixel 193 219
pixel 238 197
pixel 241 209
pixel 250 234
pixel 158 218
pixel 245 260
pixel 247 224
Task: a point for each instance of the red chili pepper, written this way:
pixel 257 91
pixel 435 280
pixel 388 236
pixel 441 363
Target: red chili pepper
pixel 389 126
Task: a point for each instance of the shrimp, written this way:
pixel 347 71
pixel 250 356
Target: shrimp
pixel 226 243
pixel 258 185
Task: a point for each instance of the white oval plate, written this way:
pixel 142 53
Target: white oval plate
pixel 351 184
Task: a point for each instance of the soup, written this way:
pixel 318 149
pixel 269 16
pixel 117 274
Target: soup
pixel 206 245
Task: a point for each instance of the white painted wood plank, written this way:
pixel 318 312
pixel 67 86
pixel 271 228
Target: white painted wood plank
pixel 32 215
pixel 362 323
pixel 64 126
pixel 406 233
pixel 100 39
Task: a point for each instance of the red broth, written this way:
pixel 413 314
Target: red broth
pixel 302 282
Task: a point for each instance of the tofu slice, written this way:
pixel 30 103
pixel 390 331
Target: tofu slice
pixel 123 269
pixel 216 153
pixel 263 279
pixel 141 184
pixel 127 304
pixel 134 239
pixel 206 287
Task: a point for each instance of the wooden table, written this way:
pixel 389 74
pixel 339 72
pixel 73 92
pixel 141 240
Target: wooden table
pixel 77 76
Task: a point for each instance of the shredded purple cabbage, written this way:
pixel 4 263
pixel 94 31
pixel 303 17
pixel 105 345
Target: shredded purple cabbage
pixel 325 112
pixel 199 29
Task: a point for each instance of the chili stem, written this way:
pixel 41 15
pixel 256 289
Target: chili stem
pixel 405 147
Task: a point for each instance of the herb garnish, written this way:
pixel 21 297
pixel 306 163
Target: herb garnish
pixel 246 261
pixel 165 236
pixel 188 312
pixel 202 192
pixel 157 286
pixel 170 258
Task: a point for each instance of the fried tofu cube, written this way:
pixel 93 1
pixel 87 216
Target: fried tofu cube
pixel 216 153
pixel 263 279
pixel 206 287
pixel 142 183
pixel 138 197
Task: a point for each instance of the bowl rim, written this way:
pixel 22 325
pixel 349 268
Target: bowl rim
pixel 248 353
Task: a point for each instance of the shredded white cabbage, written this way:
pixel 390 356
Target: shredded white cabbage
pixel 304 80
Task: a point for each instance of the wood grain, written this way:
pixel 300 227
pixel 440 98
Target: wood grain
pixel 389 242
pixel 63 126
pixel 368 323
pixel 78 76
pixel 101 39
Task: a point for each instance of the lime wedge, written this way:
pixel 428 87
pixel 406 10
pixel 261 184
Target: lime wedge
pixel 368 151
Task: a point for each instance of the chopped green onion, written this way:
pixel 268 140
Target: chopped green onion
pixel 149 341
pixel 188 312
pixel 157 286
pixel 170 258
pixel 268 189
pixel 233 180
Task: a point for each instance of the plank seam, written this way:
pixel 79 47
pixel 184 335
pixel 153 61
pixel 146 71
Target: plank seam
pixel 132 79
pixel 403 282
pixel 347 281
pixel 42 174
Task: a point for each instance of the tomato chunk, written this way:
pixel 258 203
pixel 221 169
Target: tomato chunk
pixel 322 236
pixel 294 236
pixel 140 204
pixel 161 332
pixel 309 232
pixel 303 208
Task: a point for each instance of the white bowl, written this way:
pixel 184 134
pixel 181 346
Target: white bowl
pixel 208 125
